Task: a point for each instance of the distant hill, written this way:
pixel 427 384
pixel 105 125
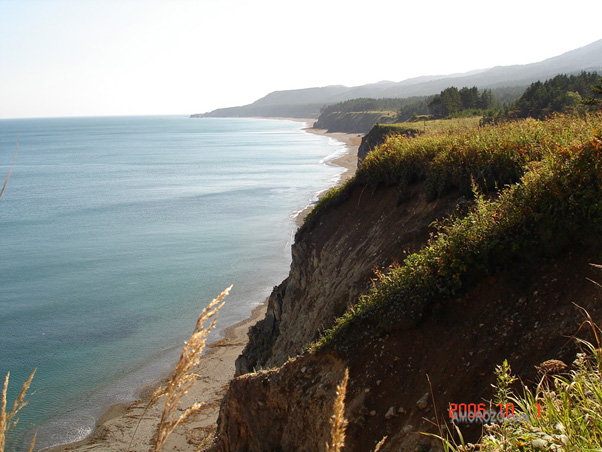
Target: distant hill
pixel 306 103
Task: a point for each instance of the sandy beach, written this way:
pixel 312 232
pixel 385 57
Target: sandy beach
pixel 348 161
pixel 115 429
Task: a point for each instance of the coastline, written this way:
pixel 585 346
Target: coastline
pixel 115 428
pixel 347 161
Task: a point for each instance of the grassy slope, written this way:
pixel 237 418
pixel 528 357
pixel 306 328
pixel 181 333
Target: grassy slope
pixel 536 186
pixel 548 180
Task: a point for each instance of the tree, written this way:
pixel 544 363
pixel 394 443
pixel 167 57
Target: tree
pixel 558 94
pixel 447 103
pixel 470 98
pixel 594 100
pixel 486 100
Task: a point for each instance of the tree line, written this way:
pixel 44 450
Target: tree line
pixel 453 101
pixel 561 94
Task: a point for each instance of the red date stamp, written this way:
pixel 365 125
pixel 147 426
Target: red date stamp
pixel 473 413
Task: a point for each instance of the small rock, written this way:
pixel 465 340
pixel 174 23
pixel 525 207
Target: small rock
pixel 367 390
pixel 423 402
pixel 407 429
pixel 372 413
pixel 539 444
pixel 401 410
pixel 391 413
pixel 303 369
pixel 378 382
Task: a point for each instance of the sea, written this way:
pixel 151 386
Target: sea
pixel 115 232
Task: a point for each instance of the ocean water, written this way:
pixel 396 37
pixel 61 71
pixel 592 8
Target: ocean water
pixel 115 232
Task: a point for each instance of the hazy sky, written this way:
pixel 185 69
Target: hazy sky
pixel 117 57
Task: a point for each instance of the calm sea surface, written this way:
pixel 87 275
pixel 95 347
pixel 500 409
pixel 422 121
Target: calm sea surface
pixel 116 232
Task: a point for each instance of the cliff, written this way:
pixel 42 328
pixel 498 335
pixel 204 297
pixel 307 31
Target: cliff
pixel 333 263
pixel 427 317
pixel 353 122
pixel 379 134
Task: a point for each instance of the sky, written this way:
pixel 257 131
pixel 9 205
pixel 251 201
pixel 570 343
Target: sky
pixel 144 57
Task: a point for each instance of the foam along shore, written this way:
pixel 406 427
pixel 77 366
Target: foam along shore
pixel 347 161
pixel 115 428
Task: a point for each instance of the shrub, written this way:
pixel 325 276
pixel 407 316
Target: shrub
pixel 559 195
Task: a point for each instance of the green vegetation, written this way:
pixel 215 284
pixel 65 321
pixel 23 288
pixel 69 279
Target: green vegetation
pixel 562 413
pixel 426 124
pixel 359 115
pixel 563 93
pixel 558 94
pixel 554 169
pixel 360 122
pixel 595 99
pixel 419 124
pixel 466 101
pixel 489 157
pixel 370 104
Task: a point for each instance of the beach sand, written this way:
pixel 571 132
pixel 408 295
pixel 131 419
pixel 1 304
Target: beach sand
pixel 348 161
pixel 115 429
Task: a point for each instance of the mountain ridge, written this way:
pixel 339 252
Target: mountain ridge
pixel 307 102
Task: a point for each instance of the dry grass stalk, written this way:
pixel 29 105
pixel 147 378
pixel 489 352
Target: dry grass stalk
pixel 338 422
pixel 380 444
pixel 8 176
pixel 182 378
pixel 8 421
pixel 33 442
pixel 206 444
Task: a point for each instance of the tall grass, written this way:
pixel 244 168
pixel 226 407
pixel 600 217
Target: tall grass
pixel 338 422
pixel 490 156
pixel 183 377
pixel 562 413
pixel 558 197
pixel 176 387
pixel 9 420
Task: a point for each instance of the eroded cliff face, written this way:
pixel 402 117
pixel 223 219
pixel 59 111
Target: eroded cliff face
pixel 333 263
pixel 401 383
pixel 287 409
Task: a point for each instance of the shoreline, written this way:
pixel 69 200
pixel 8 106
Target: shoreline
pixel 115 427
pixel 347 161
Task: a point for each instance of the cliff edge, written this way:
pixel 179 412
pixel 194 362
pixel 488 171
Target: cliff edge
pixel 421 313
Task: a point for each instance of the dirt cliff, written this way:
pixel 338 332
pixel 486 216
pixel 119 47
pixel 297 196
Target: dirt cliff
pixel 526 319
pixel 333 263
pixel 524 314
pixel 507 278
